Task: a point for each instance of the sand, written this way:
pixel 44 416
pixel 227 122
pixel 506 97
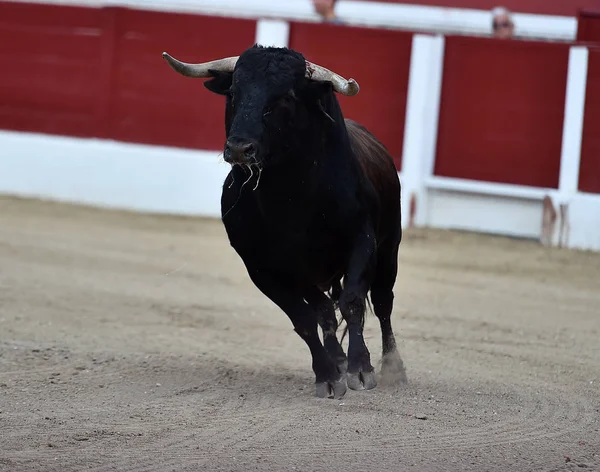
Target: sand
pixel 137 342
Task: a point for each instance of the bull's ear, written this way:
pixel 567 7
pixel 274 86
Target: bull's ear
pixel 220 83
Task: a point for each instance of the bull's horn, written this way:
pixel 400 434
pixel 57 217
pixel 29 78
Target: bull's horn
pixel 313 71
pixel 201 70
pixel 321 74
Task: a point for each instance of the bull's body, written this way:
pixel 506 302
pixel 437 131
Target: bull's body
pixel 312 207
pixel 299 222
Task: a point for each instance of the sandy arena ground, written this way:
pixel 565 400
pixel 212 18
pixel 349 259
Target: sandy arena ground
pixel 132 342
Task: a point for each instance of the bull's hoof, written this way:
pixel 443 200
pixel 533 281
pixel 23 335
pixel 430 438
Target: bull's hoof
pixel 361 380
pixel 392 370
pixel 334 389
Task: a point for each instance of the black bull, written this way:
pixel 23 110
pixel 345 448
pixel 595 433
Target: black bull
pixel 311 205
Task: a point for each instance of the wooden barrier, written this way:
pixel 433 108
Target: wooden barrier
pixel 488 135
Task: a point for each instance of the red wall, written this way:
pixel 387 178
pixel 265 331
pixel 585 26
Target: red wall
pixel 589 171
pixel 153 104
pixel 99 73
pixel 546 7
pixel 588 27
pixel 53 65
pixel 501 113
pixel 381 103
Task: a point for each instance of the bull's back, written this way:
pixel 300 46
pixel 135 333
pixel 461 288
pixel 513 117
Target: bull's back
pixel 379 168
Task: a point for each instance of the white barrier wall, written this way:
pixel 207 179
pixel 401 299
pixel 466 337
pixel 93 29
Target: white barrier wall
pixel 112 174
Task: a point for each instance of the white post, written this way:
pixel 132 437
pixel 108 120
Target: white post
pixel 272 32
pixel 568 185
pixel 421 125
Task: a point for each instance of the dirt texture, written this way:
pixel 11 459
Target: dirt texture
pixel 138 343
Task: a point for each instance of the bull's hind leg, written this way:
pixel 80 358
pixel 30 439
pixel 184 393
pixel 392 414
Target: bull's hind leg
pixel 382 296
pixel 325 310
pixel 328 381
pixel 361 375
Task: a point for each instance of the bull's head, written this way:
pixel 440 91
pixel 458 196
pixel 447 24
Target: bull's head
pixel 275 100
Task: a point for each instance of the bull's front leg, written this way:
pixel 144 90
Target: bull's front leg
pixel 361 374
pixel 325 311
pixel 328 380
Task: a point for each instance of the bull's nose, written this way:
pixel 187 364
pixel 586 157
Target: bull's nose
pixel 238 151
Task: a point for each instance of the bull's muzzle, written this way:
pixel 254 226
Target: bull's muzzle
pixel 240 151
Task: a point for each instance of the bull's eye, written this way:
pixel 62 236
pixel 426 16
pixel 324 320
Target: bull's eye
pixel 279 112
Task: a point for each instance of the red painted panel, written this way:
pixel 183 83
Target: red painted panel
pixel 546 7
pixel 502 111
pixel 589 171
pixel 99 73
pixel 588 27
pixel 153 104
pixel 379 60
pixel 51 63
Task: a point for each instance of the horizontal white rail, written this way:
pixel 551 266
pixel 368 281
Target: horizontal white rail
pixel 112 174
pixel 356 12
pixel 488 188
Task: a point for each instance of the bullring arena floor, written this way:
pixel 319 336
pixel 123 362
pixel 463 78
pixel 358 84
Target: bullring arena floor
pixel 133 342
